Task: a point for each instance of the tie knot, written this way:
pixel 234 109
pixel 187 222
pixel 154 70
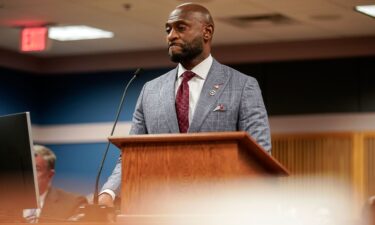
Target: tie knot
pixel 187 75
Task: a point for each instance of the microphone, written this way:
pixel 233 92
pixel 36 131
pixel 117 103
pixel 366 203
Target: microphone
pixel 95 211
pixel 96 192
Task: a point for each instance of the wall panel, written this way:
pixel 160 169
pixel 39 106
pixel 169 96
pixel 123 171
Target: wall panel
pixel 369 157
pixel 345 157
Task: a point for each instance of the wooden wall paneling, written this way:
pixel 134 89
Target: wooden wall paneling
pixel 369 164
pixel 358 171
pixel 319 157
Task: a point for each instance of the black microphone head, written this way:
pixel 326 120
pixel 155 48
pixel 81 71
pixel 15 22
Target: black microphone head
pixel 138 71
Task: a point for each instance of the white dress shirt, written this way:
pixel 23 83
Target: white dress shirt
pixel 196 83
pixel 35 212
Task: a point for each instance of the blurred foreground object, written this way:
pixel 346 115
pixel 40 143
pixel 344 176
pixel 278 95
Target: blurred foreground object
pixel 247 202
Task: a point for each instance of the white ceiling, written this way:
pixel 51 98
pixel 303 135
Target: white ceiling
pixel 141 27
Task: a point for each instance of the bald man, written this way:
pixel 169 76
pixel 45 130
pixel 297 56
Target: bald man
pixel 199 95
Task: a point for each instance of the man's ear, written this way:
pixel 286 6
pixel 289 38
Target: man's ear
pixel 208 32
pixel 52 173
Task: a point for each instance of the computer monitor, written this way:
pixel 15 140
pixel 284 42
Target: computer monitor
pixel 18 181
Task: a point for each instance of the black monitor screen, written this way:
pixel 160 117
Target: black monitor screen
pixel 18 184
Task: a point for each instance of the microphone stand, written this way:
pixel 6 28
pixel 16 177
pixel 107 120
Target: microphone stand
pixel 96 212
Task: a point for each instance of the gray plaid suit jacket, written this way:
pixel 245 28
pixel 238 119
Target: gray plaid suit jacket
pixel 236 105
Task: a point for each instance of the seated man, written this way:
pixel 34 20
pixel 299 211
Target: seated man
pixel 56 205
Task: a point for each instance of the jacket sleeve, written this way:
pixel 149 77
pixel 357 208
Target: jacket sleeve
pixel 114 180
pixel 139 123
pixel 253 115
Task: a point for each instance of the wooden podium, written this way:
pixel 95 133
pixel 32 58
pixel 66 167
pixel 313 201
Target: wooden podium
pixel 156 163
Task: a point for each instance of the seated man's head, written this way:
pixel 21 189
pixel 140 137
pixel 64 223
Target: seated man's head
pixel 45 166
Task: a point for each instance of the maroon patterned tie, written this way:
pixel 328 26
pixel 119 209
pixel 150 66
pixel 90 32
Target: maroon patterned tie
pixel 182 102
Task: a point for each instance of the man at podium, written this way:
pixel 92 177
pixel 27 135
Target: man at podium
pixel 199 95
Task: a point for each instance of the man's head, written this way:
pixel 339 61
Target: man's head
pixel 189 34
pixel 45 166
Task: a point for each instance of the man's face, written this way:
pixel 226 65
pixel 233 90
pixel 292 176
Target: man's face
pixel 184 36
pixel 44 174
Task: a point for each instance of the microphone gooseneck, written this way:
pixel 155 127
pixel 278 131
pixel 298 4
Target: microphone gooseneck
pixel 96 192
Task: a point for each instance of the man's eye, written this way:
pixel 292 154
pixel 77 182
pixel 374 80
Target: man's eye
pixel 181 28
pixel 168 30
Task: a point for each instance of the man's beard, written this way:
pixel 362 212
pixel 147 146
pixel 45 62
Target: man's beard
pixel 189 51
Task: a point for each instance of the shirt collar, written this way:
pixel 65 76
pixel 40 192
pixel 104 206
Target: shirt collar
pixel 201 69
pixel 42 198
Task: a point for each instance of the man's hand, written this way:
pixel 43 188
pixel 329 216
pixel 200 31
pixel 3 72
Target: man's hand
pixel 106 199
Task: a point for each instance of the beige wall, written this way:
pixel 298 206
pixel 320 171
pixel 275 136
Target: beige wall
pixel 245 53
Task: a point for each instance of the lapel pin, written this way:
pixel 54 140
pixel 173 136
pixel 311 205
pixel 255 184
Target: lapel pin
pixel 216 86
pixel 212 92
pixel 220 107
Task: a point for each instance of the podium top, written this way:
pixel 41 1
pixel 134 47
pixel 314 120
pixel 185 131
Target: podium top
pixel 241 137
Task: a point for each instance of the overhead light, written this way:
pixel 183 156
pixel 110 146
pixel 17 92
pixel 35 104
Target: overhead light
pixel 368 10
pixel 73 33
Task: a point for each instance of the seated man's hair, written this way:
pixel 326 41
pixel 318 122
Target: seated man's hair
pixel 47 154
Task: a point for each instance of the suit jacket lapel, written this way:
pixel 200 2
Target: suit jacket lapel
pixel 206 102
pixel 168 95
pixel 49 203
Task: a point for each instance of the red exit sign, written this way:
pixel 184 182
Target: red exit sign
pixel 34 39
